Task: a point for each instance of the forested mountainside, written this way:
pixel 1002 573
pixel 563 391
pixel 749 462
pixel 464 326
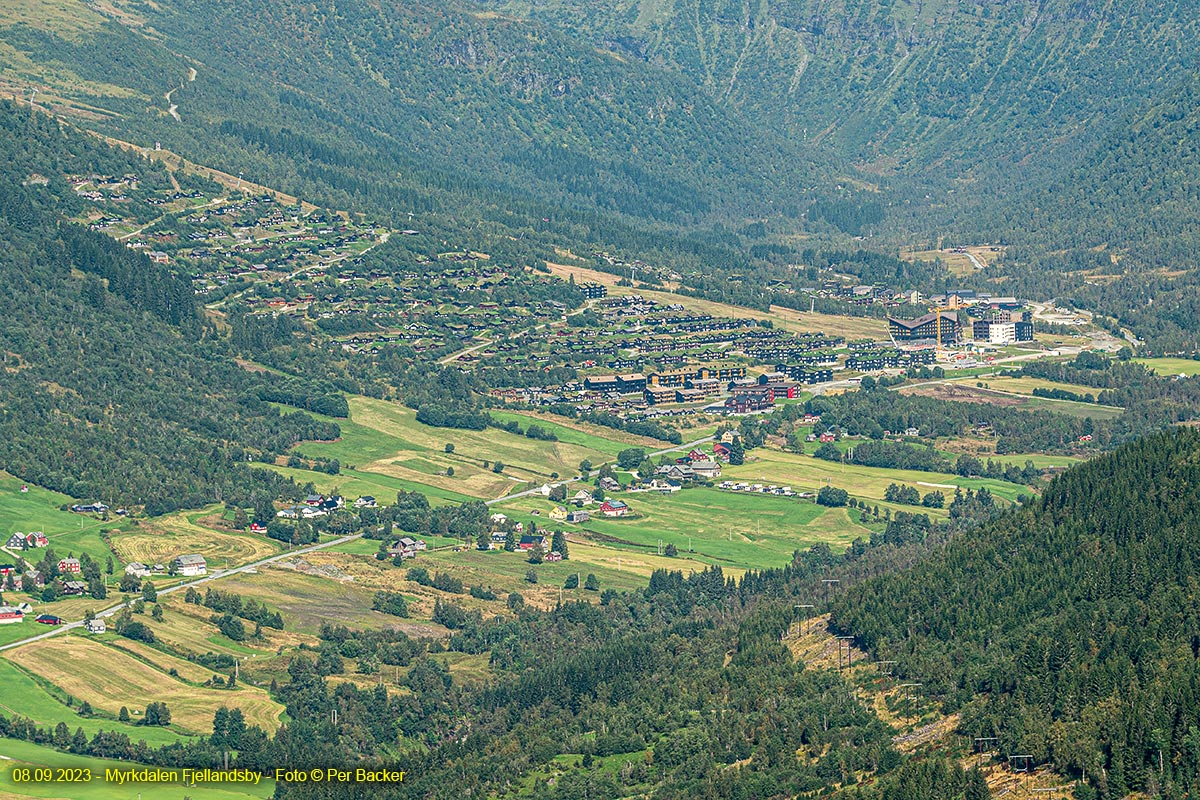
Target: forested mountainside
pixel 929 91
pixel 360 100
pixel 1119 233
pixel 113 387
pixel 663 128
pixel 1069 629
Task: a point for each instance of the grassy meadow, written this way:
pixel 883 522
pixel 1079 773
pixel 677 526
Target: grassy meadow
pixel 604 440
pixel 38 509
pixel 19 753
pixel 1025 385
pixel 159 540
pixel 186 629
pixel 804 473
pixel 307 600
pixel 996 391
pixel 710 526
pixel 385 439
pixel 1172 366
pixel 111 677
pixel 30 695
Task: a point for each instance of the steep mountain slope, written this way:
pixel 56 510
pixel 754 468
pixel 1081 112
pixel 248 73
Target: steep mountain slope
pixel 425 99
pixel 1070 630
pixel 928 90
pixel 111 387
pixel 1119 232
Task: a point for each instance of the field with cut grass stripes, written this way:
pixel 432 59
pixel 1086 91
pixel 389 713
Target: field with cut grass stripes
pixel 383 445
pixel 109 678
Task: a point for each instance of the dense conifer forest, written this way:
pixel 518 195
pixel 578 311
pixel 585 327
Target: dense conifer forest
pixel 1067 629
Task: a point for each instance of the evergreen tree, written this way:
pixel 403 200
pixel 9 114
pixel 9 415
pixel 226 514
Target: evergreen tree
pixel 737 452
pixel 559 543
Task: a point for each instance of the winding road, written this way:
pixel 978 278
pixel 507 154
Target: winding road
pixel 225 573
pixel 185 584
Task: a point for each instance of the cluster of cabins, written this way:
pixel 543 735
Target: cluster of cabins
pixel 748 397
pixel 29 579
pixel 89 508
pixel 639 332
pixel 890 358
pixel 708 382
pixel 668 387
pixel 27 541
pixel 799 359
pixel 15 577
pixel 526 542
pixel 315 505
pixel 34 579
pixel 11 614
pixel 759 488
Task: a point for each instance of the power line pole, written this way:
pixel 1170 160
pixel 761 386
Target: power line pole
pixel 809 608
pixel 849 641
pixel 1025 762
pixel 908 687
pixel 827 582
pixel 980 741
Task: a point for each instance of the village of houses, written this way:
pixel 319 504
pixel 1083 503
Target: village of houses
pixel 648 360
pixel 22 576
pixel 701 365
pixel 282 260
pixel 635 358
pixel 697 467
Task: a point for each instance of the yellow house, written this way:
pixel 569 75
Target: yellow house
pixel 558 514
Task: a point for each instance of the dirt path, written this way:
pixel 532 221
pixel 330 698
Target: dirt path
pixel 174 107
pixel 455 356
pixel 159 218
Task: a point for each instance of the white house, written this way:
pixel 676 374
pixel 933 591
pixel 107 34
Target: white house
pixel 190 565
